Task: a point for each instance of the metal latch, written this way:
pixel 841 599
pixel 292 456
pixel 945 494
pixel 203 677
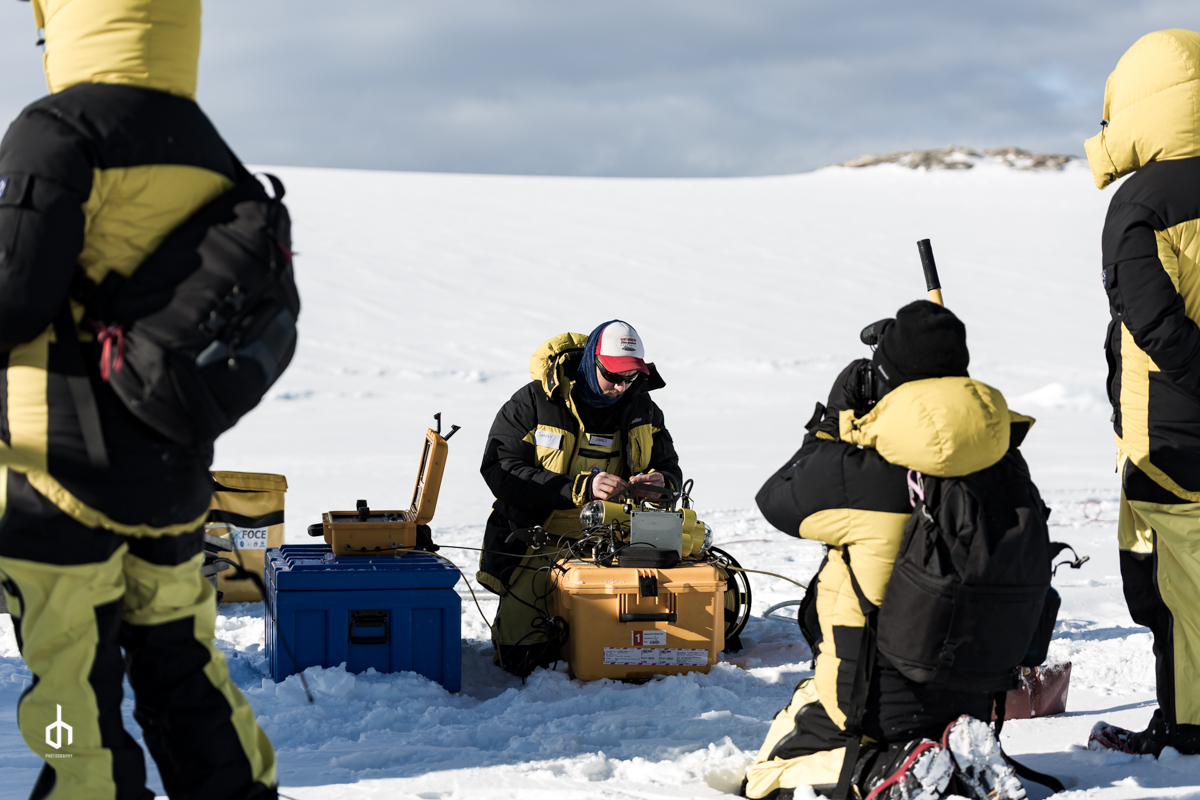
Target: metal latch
pixel 647 586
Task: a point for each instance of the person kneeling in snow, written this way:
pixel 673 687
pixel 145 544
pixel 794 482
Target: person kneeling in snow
pixel 914 401
pixel 583 429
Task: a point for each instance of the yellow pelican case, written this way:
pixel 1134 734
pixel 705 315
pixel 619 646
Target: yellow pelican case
pixel 631 623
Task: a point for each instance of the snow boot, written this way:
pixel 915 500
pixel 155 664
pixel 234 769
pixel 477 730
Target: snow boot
pixel 921 771
pixel 982 772
pixel 1151 741
pixel 1109 737
pixel 1186 739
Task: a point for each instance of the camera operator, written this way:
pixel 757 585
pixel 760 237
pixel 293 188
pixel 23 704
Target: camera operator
pixel 915 401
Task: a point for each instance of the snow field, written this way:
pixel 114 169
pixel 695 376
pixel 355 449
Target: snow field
pixel 428 293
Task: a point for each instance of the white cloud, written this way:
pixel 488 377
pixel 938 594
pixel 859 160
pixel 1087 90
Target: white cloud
pixel 626 87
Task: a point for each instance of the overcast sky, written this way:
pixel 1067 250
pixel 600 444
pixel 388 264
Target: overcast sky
pixel 640 87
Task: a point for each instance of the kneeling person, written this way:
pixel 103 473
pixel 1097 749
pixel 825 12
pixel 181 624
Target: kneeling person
pixel 583 429
pixel 905 738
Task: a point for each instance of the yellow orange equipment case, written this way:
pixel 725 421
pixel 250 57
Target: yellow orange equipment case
pixel 631 623
pixel 368 531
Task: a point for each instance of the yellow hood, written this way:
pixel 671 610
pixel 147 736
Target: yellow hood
pixel 549 354
pixel 946 427
pixel 154 44
pixel 1152 104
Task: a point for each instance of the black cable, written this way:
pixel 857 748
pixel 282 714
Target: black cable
pixel 241 574
pixel 551 628
pixel 738 576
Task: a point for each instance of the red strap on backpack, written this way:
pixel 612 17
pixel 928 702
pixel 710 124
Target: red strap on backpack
pixel 106 335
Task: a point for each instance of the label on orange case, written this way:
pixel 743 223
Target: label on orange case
pixel 649 638
pixel 656 657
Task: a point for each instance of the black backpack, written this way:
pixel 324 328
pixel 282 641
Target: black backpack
pixel 206 324
pixel 969 598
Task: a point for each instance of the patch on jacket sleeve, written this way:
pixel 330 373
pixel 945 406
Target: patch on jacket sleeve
pixel 13 188
pixel 548 439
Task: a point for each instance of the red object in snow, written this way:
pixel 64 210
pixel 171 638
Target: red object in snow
pixel 1042 693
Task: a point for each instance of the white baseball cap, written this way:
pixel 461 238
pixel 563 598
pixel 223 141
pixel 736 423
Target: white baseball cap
pixel 620 348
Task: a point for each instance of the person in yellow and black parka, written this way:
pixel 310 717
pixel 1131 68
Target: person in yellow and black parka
pixel 99 558
pixel 583 429
pixel 1151 250
pixel 839 490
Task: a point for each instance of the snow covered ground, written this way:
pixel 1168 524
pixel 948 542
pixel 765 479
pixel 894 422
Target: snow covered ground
pixel 428 293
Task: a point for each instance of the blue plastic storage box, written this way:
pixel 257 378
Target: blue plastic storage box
pixel 392 613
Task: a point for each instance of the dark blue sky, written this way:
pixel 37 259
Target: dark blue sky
pixel 640 87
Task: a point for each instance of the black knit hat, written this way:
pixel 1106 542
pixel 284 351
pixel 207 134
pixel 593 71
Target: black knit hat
pixel 925 340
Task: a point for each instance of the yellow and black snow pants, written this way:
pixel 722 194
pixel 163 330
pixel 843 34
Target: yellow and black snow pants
pixel 89 607
pixel 524 632
pixel 804 747
pixel 1159 536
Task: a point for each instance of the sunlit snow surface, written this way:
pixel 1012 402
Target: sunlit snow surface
pixel 428 293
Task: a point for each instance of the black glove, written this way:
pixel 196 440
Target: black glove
pixel 849 392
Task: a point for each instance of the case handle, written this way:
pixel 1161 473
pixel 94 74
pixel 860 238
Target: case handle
pixel 371 621
pixel 668 617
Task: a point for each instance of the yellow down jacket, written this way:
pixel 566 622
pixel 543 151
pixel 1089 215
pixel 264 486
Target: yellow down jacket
pixel 543 445
pixel 853 493
pixel 1151 250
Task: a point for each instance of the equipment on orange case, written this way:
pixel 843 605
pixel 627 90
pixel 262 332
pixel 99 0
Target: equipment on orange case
pixel 366 531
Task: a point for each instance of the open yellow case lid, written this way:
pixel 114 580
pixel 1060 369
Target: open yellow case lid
pixel 429 478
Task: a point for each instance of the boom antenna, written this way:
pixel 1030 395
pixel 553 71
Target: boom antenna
pixel 930 267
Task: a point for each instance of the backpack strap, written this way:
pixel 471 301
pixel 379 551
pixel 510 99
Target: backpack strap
pixel 244 174
pixel 864 671
pixel 75 373
pixel 1053 783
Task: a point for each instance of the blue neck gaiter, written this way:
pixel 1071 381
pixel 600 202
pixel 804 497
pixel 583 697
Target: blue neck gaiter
pixel 587 388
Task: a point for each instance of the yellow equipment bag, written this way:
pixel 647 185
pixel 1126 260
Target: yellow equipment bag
pixel 247 509
pixel 630 623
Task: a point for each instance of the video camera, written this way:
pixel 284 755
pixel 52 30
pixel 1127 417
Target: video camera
pixel 869 385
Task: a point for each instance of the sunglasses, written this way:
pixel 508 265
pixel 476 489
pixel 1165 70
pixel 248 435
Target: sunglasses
pixel 616 377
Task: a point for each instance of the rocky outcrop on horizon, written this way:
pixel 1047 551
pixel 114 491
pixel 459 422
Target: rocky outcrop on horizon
pixel 958 157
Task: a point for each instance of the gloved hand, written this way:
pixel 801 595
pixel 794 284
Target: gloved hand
pixel 847 393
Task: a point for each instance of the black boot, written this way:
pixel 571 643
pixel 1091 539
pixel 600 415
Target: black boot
pixel 1153 739
pixel 1186 739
